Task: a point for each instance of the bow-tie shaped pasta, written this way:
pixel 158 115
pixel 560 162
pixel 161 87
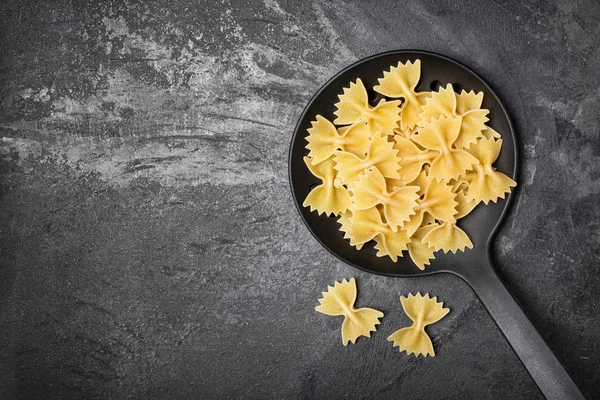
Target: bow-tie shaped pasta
pixel 447 237
pixel 441 104
pixel 467 101
pixel 419 251
pixel 354 105
pixel 489 184
pixel 466 105
pixel 330 197
pixel 412 158
pixel 361 226
pixel 439 135
pixel 365 225
pixel 438 200
pixel 323 139
pixel 339 300
pixel 401 81
pixel 471 128
pixel 392 244
pixel 423 311
pixel 398 205
pixel 381 154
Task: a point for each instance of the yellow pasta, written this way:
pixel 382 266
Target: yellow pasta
pixel 441 104
pixel 465 206
pixel 371 190
pixel 412 158
pixel 339 301
pixel 447 237
pixel 466 105
pixel 462 183
pixel 402 174
pixel 419 251
pixel 471 127
pixel 422 180
pixel 392 244
pixel 423 311
pixel 467 101
pixel 490 133
pixel 330 197
pixel 401 81
pixel 363 226
pixel 381 154
pixel 439 135
pixel 488 184
pixel 406 133
pixel 354 106
pixel 438 200
pixel 324 139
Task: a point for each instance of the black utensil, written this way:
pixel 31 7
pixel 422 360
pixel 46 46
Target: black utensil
pixel 474 266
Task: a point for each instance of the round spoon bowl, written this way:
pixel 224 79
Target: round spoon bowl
pixel 436 71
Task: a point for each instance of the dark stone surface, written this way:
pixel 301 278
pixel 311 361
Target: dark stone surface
pixel 149 244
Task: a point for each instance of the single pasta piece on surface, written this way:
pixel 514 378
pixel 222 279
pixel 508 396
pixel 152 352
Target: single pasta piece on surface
pixel 339 300
pixel 423 311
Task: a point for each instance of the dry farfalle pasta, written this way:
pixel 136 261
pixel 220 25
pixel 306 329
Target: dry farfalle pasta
pixel 487 184
pixel 464 108
pixel 439 136
pixel 401 81
pixel 423 311
pixel 330 197
pixel 363 226
pixel 403 173
pixel 324 139
pixel 339 300
pixel 371 190
pixel 354 106
pixel 380 154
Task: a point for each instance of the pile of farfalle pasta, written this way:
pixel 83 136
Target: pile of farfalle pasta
pixel 403 172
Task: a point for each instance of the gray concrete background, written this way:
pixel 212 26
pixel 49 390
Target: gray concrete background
pixel 149 245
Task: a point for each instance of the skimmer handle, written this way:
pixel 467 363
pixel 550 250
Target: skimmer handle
pixel 543 366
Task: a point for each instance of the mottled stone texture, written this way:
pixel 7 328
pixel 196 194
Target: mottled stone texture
pixel 149 244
